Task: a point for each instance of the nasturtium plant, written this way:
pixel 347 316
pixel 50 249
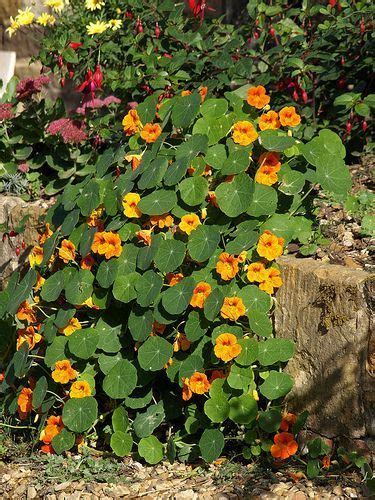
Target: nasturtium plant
pixel 146 315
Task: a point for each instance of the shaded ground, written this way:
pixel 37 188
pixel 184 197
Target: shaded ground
pixel 58 478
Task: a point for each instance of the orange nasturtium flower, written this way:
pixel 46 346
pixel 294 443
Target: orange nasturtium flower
pixel 255 272
pixel 257 97
pixel 271 159
pixel 151 132
pixel 45 235
pixel 26 312
pixel 203 93
pixel 134 159
pixel 67 251
pixel 189 222
pixel 232 308
pixel 272 280
pixel 54 426
pixel 267 175
pixel 107 243
pixel 227 266
pixel 130 202
pixel 200 294
pixel 39 282
pixel 326 462
pixel 71 327
pixel 269 121
pixel 63 372
pixel 244 133
pixel 174 278
pixel 227 347
pixel 131 123
pixel 217 374
pixel 24 402
pixel 94 218
pixel 87 262
pixel 198 384
pixel 181 343
pixel 144 235
pixel 288 419
pixel 289 117
pixel 161 221
pixel 270 246
pixel 211 198
pixel 285 446
pixel 242 257
pixel 80 389
pixel 186 391
pixel 36 256
pixel 185 93
pixel 29 335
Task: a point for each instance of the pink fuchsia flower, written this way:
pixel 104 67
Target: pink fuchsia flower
pixel 71 131
pixel 23 167
pixel 93 81
pixel 27 87
pixel 6 111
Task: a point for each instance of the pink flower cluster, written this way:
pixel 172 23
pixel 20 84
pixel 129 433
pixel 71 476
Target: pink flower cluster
pixel 71 131
pixel 6 111
pixel 89 102
pixel 27 87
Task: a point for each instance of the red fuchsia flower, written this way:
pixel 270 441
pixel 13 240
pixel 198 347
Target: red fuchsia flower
pixel 93 81
pixel 23 167
pixel 71 131
pixel 198 8
pixel 6 111
pixel 75 45
pixel 27 87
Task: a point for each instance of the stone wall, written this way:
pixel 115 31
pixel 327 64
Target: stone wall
pixel 326 310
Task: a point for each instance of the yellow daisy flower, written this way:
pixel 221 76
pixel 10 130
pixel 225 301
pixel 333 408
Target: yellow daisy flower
pixel 96 28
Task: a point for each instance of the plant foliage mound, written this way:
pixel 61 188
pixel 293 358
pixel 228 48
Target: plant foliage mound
pixel 143 324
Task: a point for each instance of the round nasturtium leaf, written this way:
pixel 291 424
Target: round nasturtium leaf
pixel 154 353
pixel 177 298
pixel 120 420
pixel 276 385
pixel 120 380
pixel 270 420
pixel 217 408
pixel 237 162
pixel 56 351
pixel 272 351
pixel 170 255
pixel 264 201
pixel 145 423
pixel 213 304
pixel 107 271
pixel 140 323
pixel 260 323
pixel 255 299
pixel 79 414
pixel 243 409
pixel 158 202
pixel 121 443
pixel 83 343
pixel 203 242
pixel 191 365
pixel 240 377
pixel 124 287
pixel 234 197
pixel 211 444
pixel 151 449
pixel 249 352
pixel 52 287
pixel 63 441
pixel 148 288
pixel 80 287
pixel 214 108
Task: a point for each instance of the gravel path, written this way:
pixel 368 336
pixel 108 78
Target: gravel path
pixel 34 481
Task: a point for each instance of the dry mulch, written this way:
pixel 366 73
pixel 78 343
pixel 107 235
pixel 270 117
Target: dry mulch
pixel 32 480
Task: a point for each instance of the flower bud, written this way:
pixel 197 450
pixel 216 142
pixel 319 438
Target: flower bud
pixel 364 125
pixel 348 127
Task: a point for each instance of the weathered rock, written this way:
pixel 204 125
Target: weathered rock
pixel 12 211
pixel 326 310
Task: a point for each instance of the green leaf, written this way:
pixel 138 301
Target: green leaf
pixel 153 174
pixel 214 108
pixel 124 287
pixel 148 288
pixel 333 175
pixel 80 287
pixel 83 343
pixel 237 162
pixel 177 298
pixel 120 420
pixel 292 182
pixel 313 468
pixel 196 326
pixel 276 140
pixel 255 299
pixel 273 351
pixel 79 414
pixel 213 304
pixel 106 273
pixel 282 225
pixel 145 423
pixel 276 385
pixel 154 353
pixel 270 420
pixel 89 199
pixel 170 255
pixel 260 323
pixel 249 352
pixel 39 392
pixel 317 447
pixel 216 155
pixel 159 202
pixel 264 201
pixel 56 351
pixel 203 242
pixel 121 380
pixel 108 336
pixel 121 443
pixel 242 242
pixel 243 409
pixel 211 444
pixel 240 377
pixel 20 361
pixel 193 190
pixel 189 149
pixel 52 287
pixel 63 441
pixel 234 197
pixel 151 449
pixel 140 323
pixel 191 365
pixel 185 109
pixel 217 408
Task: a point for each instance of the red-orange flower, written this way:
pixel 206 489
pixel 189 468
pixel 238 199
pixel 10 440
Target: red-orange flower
pixel 255 272
pixel 288 420
pixel 200 294
pixel 289 117
pixel 269 121
pixel 271 280
pixel 63 372
pixel 87 262
pixel 227 347
pixel 227 266
pixel 244 133
pixel 203 93
pixel 257 97
pixel 185 93
pixel 232 308
pixel 186 391
pixel 174 278
pixel 181 343
pixel 131 123
pixel 24 402
pixel 67 251
pixel 26 312
pixel 217 374
pixel 46 234
pixel 80 389
pixel 285 446
pixel 145 236
pixel 54 426
pixel 270 246
pixel 326 462
pixel 161 221
pixel 29 335
pixel 107 243
pixel 151 132
pixel 199 383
